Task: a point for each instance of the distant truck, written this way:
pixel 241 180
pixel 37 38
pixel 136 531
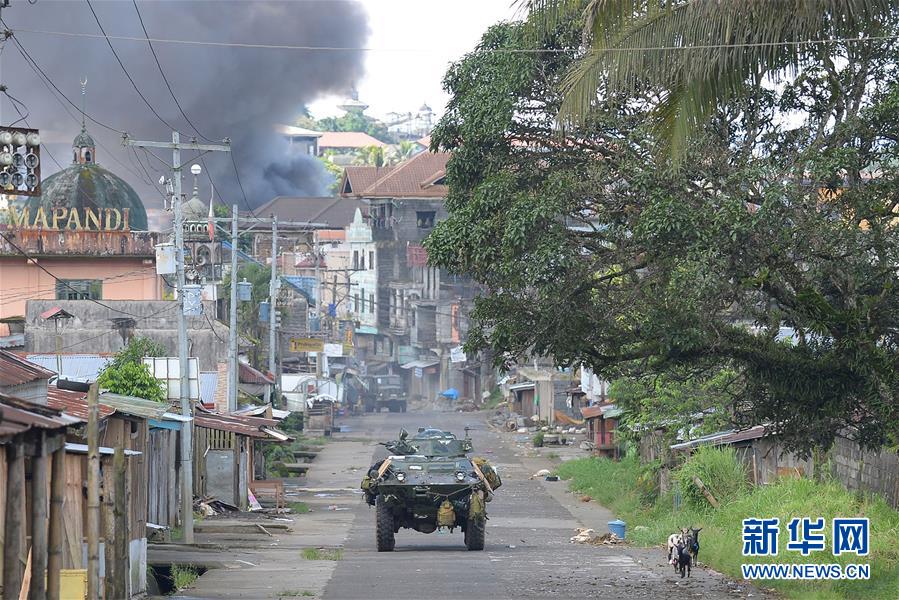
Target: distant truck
pixel 384 391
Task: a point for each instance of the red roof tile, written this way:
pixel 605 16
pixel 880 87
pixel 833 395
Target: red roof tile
pixel 15 370
pixel 416 177
pixel 357 178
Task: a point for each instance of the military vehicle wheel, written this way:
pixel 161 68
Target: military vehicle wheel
pixel 475 533
pixel 384 530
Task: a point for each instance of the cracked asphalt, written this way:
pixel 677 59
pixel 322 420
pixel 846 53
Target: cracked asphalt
pixel 528 553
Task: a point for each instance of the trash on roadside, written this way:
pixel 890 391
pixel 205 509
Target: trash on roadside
pixel 589 536
pixel 585 498
pixel 540 473
pixel 551 478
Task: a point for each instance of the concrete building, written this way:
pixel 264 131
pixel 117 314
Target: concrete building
pixel 84 238
pixel 107 327
pixel 421 310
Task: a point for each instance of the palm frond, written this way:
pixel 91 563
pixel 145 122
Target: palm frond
pixel 682 46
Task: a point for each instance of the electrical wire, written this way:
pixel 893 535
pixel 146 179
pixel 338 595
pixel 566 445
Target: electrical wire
pixel 161 72
pixel 14 101
pixel 37 68
pixel 124 70
pixel 240 185
pixel 54 90
pixel 62 281
pixel 262 46
pixel 212 327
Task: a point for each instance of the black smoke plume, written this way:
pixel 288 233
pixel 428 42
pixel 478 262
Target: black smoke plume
pixel 234 92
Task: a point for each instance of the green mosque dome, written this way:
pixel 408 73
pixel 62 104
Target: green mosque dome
pixel 87 185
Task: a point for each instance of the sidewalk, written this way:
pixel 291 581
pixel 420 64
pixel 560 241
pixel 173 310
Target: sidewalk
pixel 253 564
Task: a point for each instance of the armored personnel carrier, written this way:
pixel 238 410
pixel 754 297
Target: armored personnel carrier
pixel 428 483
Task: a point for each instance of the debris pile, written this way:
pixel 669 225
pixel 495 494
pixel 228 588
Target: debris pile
pixel 589 536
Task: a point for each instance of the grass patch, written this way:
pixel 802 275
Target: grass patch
pixel 322 553
pixel 298 507
pixel 494 399
pixel 553 456
pixel 620 486
pixel 183 576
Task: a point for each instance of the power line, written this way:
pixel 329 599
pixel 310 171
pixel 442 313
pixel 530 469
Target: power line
pixel 62 281
pixel 14 101
pixel 124 70
pixel 262 46
pixel 54 90
pixel 43 75
pixel 237 173
pixel 161 72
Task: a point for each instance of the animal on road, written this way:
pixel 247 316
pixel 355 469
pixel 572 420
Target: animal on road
pixel 673 540
pixel 684 560
pixel 694 546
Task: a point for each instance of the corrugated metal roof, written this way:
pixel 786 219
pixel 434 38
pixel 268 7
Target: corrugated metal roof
pixel 209 381
pixel 138 407
pixel 20 416
pixel 591 412
pixel 419 364
pixel 74 403
pixel 247 374
pixel 224 423
pixel 82 449
pixel 74 366
pixel 15 370
pixel 12 341
pixel 241 425
pixel 724 438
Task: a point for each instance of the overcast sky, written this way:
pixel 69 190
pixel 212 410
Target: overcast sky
pixel 414 41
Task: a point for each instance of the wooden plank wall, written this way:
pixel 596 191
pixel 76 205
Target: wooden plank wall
pixel 74 510
pixel 161 488
pixel 2 507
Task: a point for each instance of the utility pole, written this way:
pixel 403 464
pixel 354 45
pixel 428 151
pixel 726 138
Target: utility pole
pixel 273 306
pixel 187 479
pixel 318 303
pixel 232 324
pixel 93 495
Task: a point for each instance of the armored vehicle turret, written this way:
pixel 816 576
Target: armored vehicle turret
pixel 428 482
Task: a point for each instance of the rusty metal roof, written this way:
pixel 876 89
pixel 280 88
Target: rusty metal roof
pixel 74 403
pixel 248 426
pixel 15 370
pixel 19 416
pixel 248 374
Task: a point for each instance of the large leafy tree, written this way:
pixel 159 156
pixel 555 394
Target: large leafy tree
pixel 771 251
pixel 701 54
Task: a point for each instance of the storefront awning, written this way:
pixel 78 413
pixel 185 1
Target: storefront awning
pixel 420 364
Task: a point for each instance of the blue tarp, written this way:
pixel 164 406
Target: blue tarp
pixel 450 393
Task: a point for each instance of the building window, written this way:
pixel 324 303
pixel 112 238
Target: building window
pixel 79 289
pixel 371 302
pixel 355 260
pixel 371 259
pixel 355 303
pixel 425 218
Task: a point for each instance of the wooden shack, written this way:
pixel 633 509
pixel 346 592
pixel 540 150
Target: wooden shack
pixel 224 453
pixel 602 429
pixel 32 472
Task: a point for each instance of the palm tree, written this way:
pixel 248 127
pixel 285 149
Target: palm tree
pixel 700 53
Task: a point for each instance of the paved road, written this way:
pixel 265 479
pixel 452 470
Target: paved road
pixel 528 554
